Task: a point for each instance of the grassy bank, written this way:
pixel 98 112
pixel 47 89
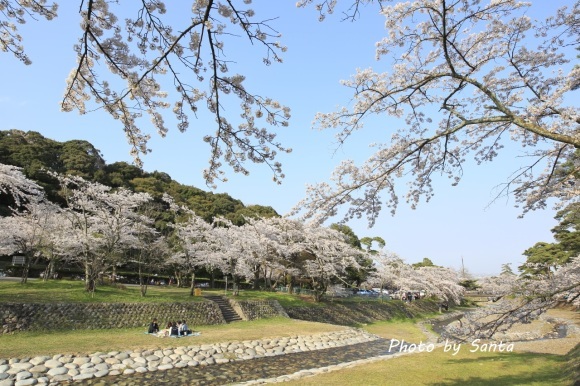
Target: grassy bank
pixel 72 291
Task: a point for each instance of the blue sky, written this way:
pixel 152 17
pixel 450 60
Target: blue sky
pixel 457 223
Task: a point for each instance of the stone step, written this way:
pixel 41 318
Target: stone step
pixel 229 314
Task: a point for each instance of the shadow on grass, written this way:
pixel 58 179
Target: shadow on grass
pixel 550 373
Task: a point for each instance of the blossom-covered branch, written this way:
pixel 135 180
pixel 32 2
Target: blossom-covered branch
pixel 132 61
pixel 464 79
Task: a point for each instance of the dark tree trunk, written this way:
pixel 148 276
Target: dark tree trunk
pixel 143 282
pixel 90 279
pixel 192 286
pixel 257 278
pixel 25 269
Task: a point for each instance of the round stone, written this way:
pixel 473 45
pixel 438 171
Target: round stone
pixel 40 369
pixel 38 360
pixel 23 375
pixel 57 371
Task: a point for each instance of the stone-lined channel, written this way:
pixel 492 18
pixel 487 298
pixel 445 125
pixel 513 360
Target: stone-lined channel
pixel 247 370
pixel 65 368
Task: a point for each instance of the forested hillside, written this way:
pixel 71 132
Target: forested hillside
pixel 37 155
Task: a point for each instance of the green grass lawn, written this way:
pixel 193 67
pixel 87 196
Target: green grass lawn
pixel 439 368
pixel 69 291
pixel 72 291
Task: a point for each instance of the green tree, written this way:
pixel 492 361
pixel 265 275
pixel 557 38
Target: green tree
pixel 80 158
pixel 368 243
pixel 149 184
pixel 506 269
pixel 253 211
pixel 543 258
pixel 35 154
pixel 30 151
pixel 425 263
pixel 469 284
pixel 567 232
pixel 353 239
pixel 120 174
pixel 358 275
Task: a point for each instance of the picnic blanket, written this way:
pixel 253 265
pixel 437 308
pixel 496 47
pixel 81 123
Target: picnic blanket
pixel 195 333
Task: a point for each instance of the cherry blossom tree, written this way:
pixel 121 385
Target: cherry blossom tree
pixel 272 249
pixel 150 250
pixel 26 232
pixel 498 286
pixel 126 55
pixel 327 255
pixel 284 238
pixel 439 282
pixel 102 224
pixel 54 246
pixel 226 251
pixel 268 244
pixel 190 247
pixel 119 223
pixel 15 184
pixel 19 12
pixel 388 267
pixel 466 77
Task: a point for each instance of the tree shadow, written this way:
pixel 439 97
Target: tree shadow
pixel 547 375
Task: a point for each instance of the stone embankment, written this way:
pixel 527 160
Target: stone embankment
pixel 45 370
pixel 19 317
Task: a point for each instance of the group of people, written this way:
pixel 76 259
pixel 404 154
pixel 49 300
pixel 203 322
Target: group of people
pixel 173 329
pixel 410 296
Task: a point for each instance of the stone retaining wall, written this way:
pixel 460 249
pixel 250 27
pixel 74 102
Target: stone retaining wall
pixel 354 313
pixel 258 309
pixel 76 316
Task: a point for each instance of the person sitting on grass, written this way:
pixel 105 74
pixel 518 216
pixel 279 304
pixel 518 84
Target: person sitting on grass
pixel 174 330
pixel 183 329
pixel 165 332
pixel 153 327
